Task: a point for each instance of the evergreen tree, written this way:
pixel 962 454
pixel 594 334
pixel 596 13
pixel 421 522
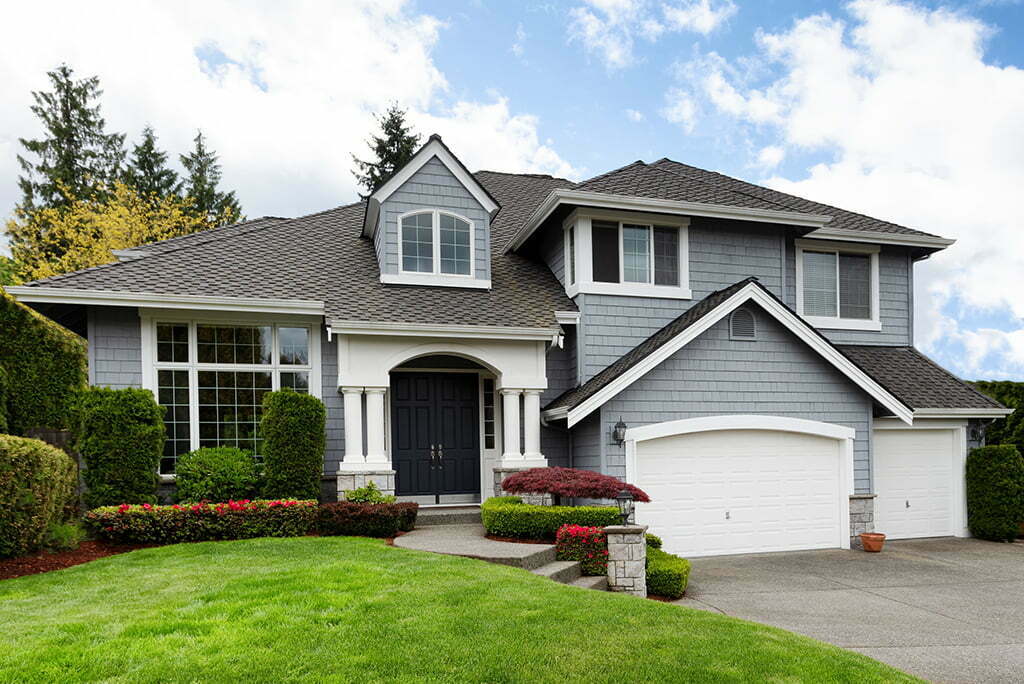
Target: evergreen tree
pixel 148 172
pixel 200 186
pixel 393 148
pixel 76 157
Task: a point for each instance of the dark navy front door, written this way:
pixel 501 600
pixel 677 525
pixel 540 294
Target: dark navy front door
pixel 435 434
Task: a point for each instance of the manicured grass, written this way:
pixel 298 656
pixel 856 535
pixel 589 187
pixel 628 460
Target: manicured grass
pixel 344 609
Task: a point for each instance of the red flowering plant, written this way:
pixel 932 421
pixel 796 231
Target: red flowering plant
pixel 244 519
pixel 588 545
pixel 570 483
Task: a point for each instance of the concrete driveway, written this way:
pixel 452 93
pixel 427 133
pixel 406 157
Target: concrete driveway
pixel 945 609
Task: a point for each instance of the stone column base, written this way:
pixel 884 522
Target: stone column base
pixel 627 559
pixel 349 480
pixel 862 517
pixel 501 472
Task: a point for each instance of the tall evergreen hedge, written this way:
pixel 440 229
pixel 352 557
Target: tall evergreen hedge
pixel 294 438
pixel 995 492
pixel 1008 430
pixel 45 365
pixel 37 489
pixel 3 401
pixel 120 435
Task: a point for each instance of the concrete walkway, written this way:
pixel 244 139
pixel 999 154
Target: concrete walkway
pixel 943 609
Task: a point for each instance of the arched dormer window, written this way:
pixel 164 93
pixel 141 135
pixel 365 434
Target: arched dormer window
pixel 435 241
pixel 742 325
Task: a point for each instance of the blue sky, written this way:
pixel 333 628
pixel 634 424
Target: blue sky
pixel 907 111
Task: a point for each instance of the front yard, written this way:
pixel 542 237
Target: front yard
pixel 343 609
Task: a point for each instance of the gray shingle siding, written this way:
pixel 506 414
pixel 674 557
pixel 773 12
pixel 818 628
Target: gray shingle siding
pixel 115 347
pixel 433 187
pixel 332 399
pixel 587 444
pixel 713 375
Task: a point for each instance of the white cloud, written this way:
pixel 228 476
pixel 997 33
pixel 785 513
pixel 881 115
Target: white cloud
pixel 610 28
pixel 519 44
pixel 771 156
pixel 680 109
pixel 634 115
pixel 285 95
pixel 920 130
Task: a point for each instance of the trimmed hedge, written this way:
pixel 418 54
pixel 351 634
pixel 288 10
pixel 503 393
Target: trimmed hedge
pixel 147 524
pixel 294 437
pixel 995 492
pixel 508 516
pixel 37 484
pixel 1008 430
pixel 350 519
pixel 45 366
pixel 120 435
pixel 217 474
pixel 3 401
pixel 653 541
pixel 667 575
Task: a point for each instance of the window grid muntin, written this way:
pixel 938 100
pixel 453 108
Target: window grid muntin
pixel 417 237
pixel 455 242
pixel 174 394
pixel 437 265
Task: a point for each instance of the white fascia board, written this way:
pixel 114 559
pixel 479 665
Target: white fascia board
pixel 567 317
pixel 490 332
pixel 750 292
pixel 881 238
pixel 659 206
pixel 435 280
pixel 685 426
pixel 60 295
pixel 560 413
pixel 962 412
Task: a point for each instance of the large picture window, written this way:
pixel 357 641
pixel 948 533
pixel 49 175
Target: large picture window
pixel 837 286
pixel 634 253
pixel 212 378
pixel 436 242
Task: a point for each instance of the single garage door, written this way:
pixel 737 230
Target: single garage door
pixel 743 491
pixel 914 482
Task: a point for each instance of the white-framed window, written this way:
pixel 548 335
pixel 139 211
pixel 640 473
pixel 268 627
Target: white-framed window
pixel 638 254
pixel 837 284
pixel 435 241
pixel 211 375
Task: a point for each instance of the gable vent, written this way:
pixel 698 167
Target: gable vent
pixel 742 325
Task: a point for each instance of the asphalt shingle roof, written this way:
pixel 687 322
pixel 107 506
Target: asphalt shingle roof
pixel 915 379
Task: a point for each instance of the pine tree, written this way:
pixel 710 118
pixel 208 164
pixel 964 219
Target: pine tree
pixel 76 157
pixel 148 172
pixel 393 148
pixel 200 186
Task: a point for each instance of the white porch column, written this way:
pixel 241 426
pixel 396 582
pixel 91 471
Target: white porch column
pixel 375 426
pixel 353 401
pixel 510 423
pixel 531 425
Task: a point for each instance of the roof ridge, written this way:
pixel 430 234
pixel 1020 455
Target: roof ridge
pixel 608 173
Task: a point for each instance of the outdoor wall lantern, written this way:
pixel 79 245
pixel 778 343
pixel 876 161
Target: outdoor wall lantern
pixel 619 432
pixel 625 501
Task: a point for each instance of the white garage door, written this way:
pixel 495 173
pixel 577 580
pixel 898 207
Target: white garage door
pixel 742 491
pixel 914 482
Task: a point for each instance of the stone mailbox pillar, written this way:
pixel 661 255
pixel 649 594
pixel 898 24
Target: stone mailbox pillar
pixel 627 559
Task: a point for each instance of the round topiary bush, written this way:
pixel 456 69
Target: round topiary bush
pixel 569 482
pixel 995 492
pixel 294 437
pixel 37 481
pixel 217 474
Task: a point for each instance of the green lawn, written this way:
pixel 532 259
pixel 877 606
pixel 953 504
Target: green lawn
pixel 343 609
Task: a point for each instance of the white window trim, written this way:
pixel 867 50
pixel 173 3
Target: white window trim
pixel 585 283
pixel 436 277
pixel 835 322
pixel 150 365
pixel 571 264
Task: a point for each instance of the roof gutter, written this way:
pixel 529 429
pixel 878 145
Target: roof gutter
pixel 925 241
pixel 493 332
pixel 962 412
pixel 149 300
pixel 602 200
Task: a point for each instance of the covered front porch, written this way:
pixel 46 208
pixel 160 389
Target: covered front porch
pixel 432 419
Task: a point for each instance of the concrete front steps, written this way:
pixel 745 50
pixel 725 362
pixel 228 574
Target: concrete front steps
pixel 460 514
pixel 469 541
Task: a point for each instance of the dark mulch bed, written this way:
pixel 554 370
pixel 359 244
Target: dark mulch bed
pixel 513 540
pixel 45 561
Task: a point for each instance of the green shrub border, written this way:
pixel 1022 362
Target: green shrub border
pixel 294 434
pixel 995 492
pixel 667 575
pixel 508 516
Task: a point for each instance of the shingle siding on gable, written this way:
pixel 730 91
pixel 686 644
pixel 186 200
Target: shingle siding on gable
pixel 433 187
pixel 115 347
pixel 714 375
pixel 587 443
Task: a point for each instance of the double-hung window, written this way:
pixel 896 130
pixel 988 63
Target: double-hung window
pixel 212 376
pixel 837 285
pixel 436 242
pixel 646 254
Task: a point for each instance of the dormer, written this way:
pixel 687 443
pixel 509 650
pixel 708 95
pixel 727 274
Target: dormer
pixel 431 223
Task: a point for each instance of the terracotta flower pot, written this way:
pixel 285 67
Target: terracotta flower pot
pixel 872 541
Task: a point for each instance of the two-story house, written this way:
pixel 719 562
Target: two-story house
pixel 743 355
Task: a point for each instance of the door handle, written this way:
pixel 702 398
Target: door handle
pixel 433 457
pixel 908 503
pixel 440 456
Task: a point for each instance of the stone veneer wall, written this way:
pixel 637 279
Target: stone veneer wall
pixel 862 517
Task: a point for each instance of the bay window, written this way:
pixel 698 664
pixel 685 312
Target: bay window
pixel 211 377
pixel 837 284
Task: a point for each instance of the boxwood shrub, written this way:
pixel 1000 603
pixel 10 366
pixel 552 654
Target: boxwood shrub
pixel 667 575
pixel 217 474
pixel 148 524
pixel 349 519
pixel 120 435
pixel 45 366
pixel 293 429
pixel 995 492
pixel 37 483
pixel 508 516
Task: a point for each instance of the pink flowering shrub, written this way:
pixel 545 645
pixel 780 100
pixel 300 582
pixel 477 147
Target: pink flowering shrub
pixel 588 545
pixel 245 519
pixel 569 482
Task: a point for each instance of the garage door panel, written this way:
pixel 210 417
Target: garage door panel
pixel 740 491
pixel 914 482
